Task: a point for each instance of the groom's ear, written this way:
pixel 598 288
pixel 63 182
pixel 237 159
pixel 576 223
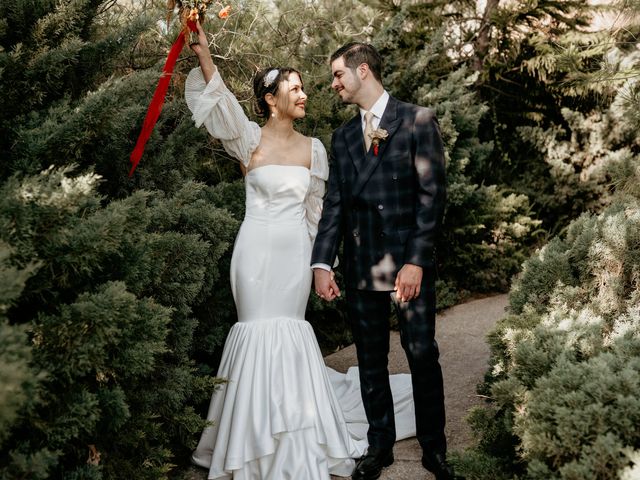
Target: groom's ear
pixel 363 70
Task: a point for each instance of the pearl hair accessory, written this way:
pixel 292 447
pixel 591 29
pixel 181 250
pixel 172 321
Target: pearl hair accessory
pixel 270 77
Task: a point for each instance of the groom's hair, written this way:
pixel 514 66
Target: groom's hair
pixel 356 53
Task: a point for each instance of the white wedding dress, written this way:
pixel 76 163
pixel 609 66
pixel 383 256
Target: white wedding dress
pixel 282 413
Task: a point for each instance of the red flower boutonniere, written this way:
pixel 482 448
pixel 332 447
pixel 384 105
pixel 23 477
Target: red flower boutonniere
pixel 377 136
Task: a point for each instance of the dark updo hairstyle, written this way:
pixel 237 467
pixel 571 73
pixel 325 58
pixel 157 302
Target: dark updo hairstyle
pixel 260 91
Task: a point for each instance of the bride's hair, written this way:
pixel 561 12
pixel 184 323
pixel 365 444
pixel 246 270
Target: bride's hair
pixel 268 81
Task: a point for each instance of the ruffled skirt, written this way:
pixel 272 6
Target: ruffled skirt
pixel 282 413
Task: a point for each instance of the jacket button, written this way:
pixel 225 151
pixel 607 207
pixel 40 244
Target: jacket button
pixel 355 233
pixel 395 177
pixel 380 207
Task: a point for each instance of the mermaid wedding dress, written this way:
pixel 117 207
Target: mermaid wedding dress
pixel 282 413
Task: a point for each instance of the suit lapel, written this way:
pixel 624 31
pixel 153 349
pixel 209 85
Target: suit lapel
pixel 390 123
pixel 353 139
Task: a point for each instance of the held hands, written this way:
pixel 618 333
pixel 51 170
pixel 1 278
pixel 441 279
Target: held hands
pixel 326 286
pixel 408 282
pixel 407 285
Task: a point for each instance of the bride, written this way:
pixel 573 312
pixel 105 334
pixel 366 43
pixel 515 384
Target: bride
pixel 282 413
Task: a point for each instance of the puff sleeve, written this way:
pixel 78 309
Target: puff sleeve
pixel 215 107
pixel 315 194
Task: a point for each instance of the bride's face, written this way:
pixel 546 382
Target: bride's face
pixel 291 100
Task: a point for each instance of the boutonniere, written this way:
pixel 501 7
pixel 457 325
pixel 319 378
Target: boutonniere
pixel 377 136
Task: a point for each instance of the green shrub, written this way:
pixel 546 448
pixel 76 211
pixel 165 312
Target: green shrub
pixel 580 152
pixel 487 231
pixel 108 314
pixel 17 380
pixel 565 374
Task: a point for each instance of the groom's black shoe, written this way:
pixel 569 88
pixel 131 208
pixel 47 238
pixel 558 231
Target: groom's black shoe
pixel 370 466
pixel 436 463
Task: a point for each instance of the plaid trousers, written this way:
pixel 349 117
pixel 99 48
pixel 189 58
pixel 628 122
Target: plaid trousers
pixel 369 313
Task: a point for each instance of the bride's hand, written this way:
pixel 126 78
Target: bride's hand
pixel 326 286
pixel 201 48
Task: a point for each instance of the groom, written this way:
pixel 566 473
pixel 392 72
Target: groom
pixel 385 199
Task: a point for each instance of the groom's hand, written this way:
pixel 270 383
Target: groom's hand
pixel 326 286
pixel 408 282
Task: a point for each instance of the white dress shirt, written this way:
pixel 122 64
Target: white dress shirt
pixel 377 109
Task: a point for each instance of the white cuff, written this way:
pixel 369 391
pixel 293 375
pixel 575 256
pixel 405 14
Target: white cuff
pixel 321 266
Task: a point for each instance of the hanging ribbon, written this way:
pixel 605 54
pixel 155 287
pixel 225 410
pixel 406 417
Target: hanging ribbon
pixel 155 107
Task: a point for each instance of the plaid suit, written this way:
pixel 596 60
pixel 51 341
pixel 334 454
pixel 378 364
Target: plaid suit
pixel 387 209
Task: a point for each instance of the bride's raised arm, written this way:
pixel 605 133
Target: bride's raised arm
pixel 215 107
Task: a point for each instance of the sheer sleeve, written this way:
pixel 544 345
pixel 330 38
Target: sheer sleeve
pixel 315 194
pixel 215 107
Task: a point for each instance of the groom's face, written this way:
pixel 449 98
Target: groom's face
pixel 345 81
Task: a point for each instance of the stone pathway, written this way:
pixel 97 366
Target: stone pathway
pixel 464 355
pixel 461 332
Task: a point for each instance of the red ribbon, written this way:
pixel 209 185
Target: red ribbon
pixel 155 107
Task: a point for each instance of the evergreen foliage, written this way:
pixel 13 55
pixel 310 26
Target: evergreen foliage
pixel 531 58
pixel 16 378
pixel 103 377
pixel 565 375
pixel 487 229
pixel 582 148
pixel 114 292
pixel 109 315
